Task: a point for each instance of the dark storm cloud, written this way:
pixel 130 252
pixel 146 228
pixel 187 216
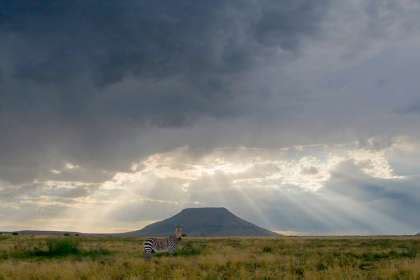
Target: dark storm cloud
pixel 410 109
pixel 79 76
pixel 54 42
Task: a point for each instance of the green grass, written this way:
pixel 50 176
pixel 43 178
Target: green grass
pixel 188 248
pixel 197 258
pixel 50 248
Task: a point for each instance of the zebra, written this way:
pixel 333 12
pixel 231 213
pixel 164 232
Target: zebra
pixel 158 245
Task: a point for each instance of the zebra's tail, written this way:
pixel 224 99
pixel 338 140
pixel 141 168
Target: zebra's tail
pixel 147 253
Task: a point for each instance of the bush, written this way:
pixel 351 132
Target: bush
pixel 54 248
pixel 62 247
pixel 267 250
pixel 189 249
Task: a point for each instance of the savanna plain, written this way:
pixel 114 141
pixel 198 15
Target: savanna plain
pixel 24 257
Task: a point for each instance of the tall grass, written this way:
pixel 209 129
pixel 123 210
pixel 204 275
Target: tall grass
pixel 50 248
pixel 283 258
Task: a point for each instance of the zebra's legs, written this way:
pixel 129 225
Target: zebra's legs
pixel 172 251
pixel 147 256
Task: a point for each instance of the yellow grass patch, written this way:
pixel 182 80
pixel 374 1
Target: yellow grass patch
pixel 216 258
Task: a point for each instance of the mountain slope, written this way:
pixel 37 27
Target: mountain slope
pixel 203 222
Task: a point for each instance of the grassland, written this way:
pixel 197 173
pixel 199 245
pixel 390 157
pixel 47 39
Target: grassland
pixel 283 258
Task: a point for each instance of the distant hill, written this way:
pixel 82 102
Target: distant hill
pixel 53 233
pixel 48 233
pixel 203 222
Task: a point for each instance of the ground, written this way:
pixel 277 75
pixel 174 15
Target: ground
pixel 228 258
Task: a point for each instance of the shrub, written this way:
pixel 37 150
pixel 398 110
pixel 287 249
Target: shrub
pixel 267 250
pixel 188 249
pixel 62 247
pixel 410 252
pixel 55 248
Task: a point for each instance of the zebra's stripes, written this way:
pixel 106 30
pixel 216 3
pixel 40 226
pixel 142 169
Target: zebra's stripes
pixel 158 245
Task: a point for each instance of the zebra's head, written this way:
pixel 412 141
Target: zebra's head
pixel 178 232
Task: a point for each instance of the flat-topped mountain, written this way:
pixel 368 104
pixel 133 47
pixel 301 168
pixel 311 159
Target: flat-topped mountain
pixel 203 222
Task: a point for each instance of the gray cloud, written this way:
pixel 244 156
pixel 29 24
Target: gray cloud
pixel 103 84
pixel 358 205
pixel 79 77
pixel 153 39
pixel 354 190
pixel 411 109
pixel 198 44
pixel 397 199
pixel 350 202
pixel 88 83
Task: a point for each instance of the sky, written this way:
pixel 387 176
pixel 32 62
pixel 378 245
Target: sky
pixel 300 116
